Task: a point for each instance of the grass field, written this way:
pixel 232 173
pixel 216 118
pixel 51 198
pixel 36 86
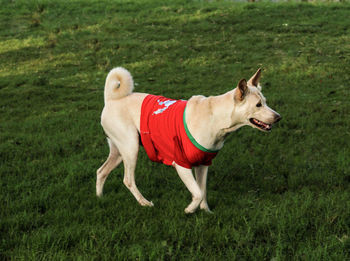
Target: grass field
pixel 278 196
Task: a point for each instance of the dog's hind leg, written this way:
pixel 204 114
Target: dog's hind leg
pixel 113 160
pixel 191 184
pixel 129 148
pixel 201 178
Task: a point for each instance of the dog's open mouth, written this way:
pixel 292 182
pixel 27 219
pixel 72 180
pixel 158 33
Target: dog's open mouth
pixel 261 125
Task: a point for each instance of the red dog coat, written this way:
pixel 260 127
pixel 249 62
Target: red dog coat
pixel 165 136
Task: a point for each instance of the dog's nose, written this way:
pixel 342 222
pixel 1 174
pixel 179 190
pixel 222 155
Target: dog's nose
pixel 277 118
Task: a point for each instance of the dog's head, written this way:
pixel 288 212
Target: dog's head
pixel 251 108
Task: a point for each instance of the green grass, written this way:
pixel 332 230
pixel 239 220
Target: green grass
pixel 278 196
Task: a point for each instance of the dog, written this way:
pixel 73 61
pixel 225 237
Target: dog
pixel 197 129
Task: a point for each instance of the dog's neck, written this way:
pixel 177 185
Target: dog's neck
pixel 209 119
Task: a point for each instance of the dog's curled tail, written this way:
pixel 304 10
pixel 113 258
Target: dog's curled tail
pixel 119 83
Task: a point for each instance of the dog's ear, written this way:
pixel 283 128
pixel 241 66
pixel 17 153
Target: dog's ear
pixel 255 79
pixel 242 89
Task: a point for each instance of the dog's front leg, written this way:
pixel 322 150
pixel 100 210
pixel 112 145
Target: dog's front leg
pixel 191 184
pixel 201 177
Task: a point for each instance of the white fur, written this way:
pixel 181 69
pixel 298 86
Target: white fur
pixel 209 120
pixel 119 83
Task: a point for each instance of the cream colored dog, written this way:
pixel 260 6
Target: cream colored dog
pixel 209 120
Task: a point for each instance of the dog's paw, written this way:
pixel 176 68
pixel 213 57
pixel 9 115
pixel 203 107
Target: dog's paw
pixel 145 203
pixel 204 206
pixel 99 193
pixel 189 210
pixel 207 210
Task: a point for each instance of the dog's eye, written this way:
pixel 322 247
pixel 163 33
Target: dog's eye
pixel 259 104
